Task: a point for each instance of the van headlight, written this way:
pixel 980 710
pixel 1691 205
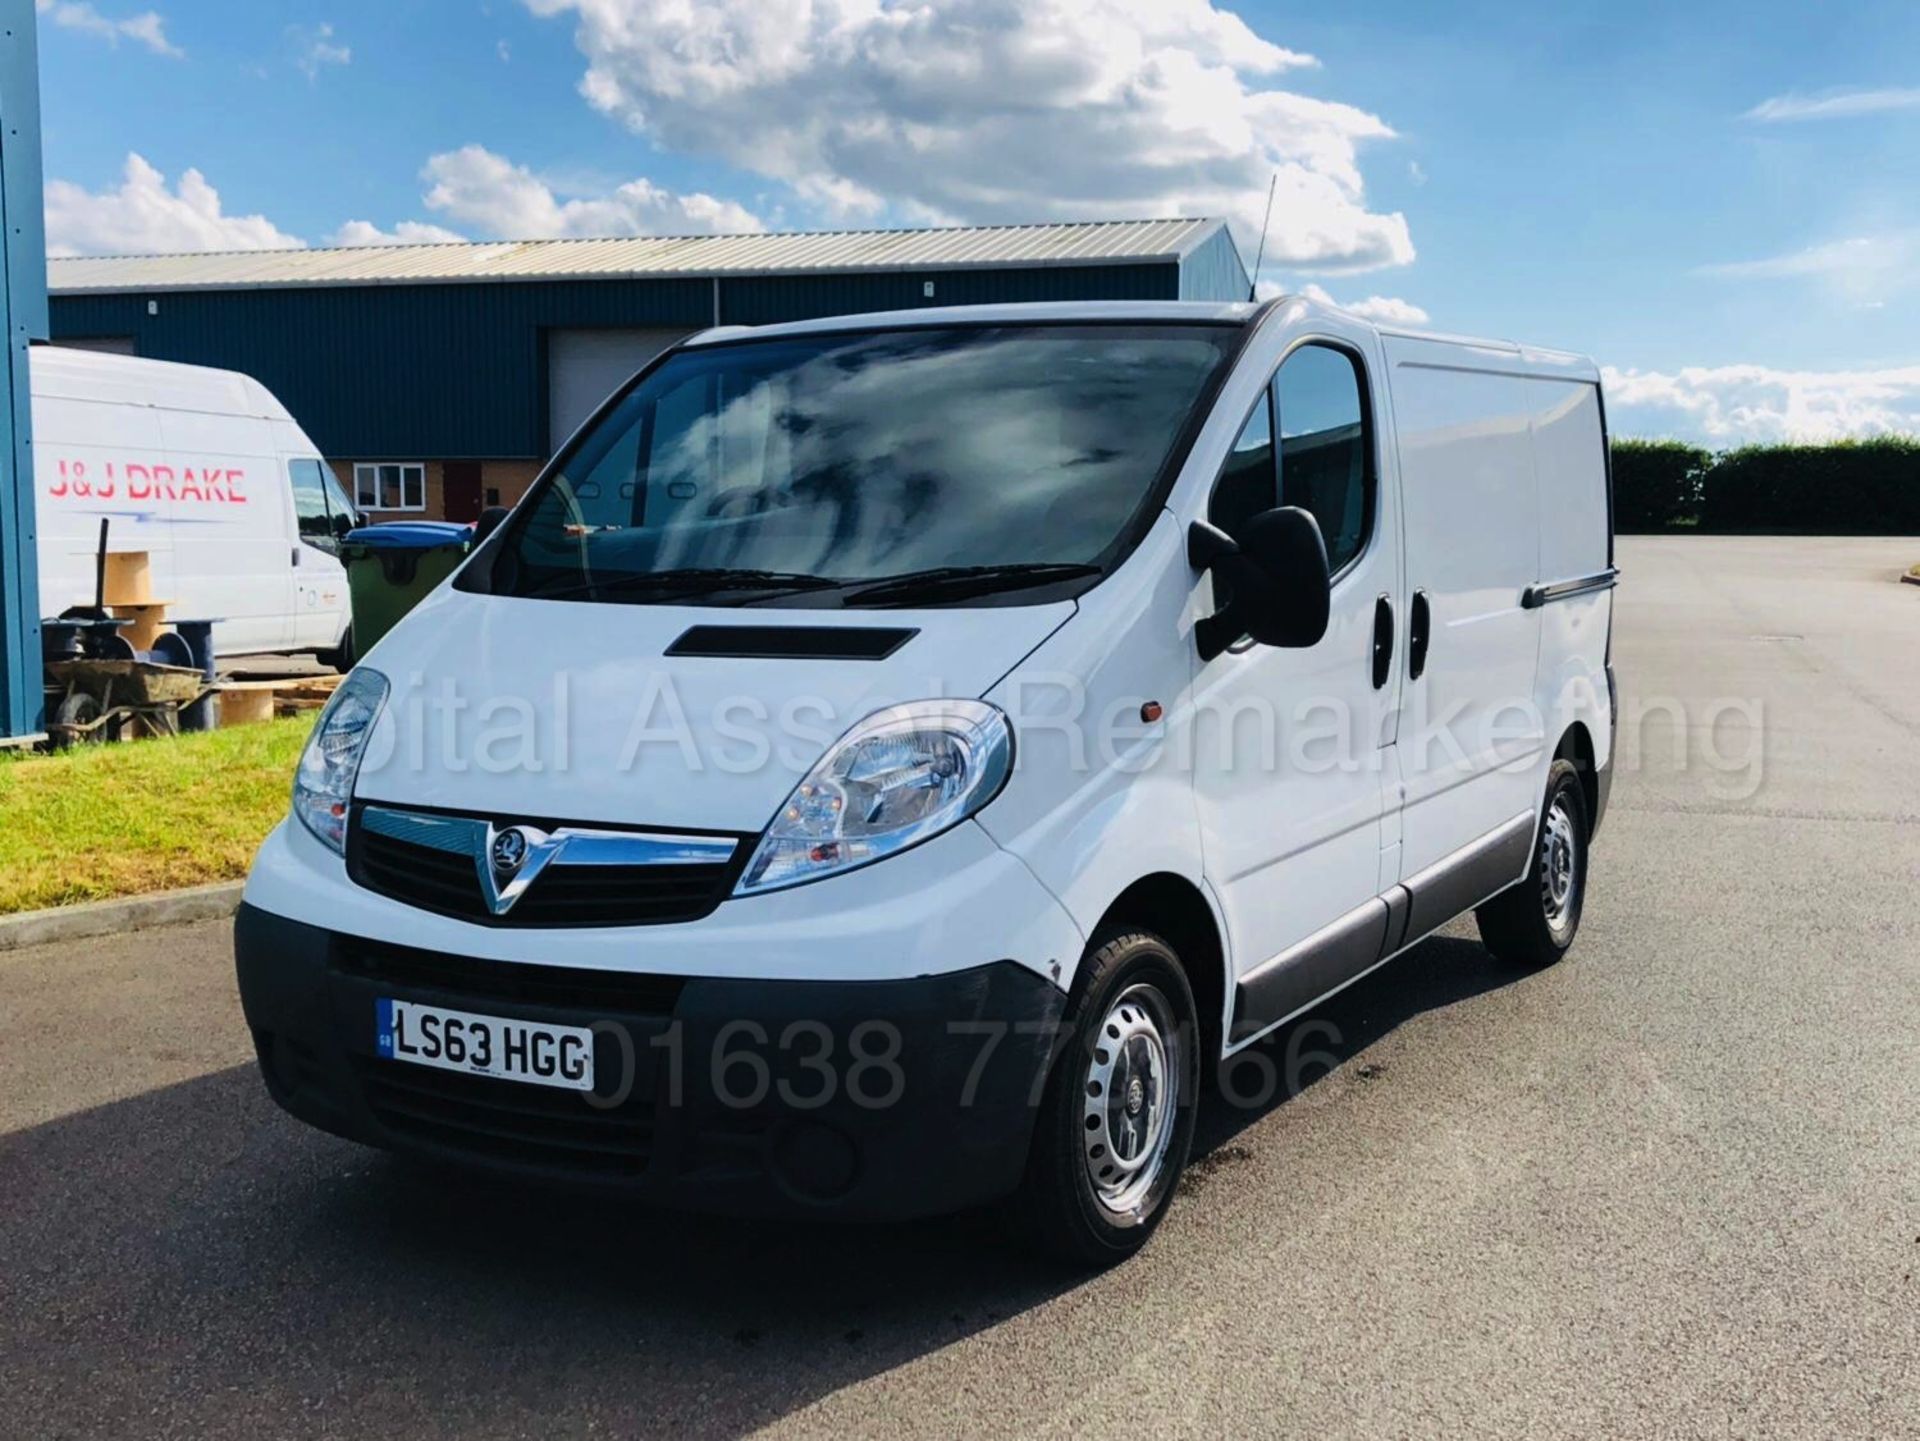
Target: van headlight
pixel 323 781
pixel 898 777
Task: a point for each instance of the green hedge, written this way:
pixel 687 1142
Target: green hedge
pixel 1853 487
pixel 1856 487
pixel 1657 484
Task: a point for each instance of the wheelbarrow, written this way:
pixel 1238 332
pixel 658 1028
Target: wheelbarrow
pixel 94 700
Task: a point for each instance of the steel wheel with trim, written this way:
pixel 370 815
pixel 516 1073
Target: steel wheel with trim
pixel 1116 1119
pixel 1534 923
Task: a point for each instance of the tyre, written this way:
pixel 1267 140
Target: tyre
pixel 1533 923
pixel 342 656
pixel 1116 1119
pixel 77 709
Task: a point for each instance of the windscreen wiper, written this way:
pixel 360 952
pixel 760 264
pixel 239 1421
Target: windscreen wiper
pixel 955 582
pixel 691 580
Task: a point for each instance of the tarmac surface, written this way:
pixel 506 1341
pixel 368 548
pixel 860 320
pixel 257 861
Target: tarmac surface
pixel 1670 1186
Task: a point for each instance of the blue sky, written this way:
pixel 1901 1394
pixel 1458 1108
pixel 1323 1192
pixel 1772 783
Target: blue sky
pixel 1721 202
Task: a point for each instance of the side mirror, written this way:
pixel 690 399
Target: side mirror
pixel 1277 575
pixel 488 523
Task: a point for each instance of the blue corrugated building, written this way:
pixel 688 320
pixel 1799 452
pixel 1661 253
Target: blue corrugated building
pixel 437 378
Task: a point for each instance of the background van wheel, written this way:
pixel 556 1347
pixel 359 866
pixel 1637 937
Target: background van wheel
pixel 1116 1120
pixel 342 656
pixel 1533 923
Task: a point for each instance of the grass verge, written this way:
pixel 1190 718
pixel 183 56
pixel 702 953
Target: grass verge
pixel 120 820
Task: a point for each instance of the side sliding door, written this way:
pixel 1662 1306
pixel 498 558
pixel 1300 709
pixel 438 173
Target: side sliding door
pixel 1471 738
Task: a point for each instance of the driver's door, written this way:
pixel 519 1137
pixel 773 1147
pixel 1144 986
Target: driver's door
pixel 1292 757
pixel 322 517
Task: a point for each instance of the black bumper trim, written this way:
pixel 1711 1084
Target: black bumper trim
pixel 861 1099
pixel 1603 775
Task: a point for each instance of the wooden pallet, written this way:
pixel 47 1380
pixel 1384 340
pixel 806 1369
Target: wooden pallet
pixel 245 702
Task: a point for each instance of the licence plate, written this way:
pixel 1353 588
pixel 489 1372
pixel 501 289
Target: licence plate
pixel 540 1055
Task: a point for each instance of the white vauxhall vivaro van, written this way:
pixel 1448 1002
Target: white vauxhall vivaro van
pixel 886 763
pixel 206 473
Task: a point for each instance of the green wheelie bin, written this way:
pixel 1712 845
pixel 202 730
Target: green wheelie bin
pixel 391 567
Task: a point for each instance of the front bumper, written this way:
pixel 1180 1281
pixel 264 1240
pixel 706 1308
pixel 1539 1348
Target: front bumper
pixel 857 1098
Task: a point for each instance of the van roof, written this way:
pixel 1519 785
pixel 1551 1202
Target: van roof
pixel 1524 358
pixel 58 372
pixel 1061 312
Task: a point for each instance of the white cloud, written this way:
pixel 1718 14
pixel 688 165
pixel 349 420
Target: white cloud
pixel 314 48
pixel 1834 105
pixel 407 232
pixel 143 217
pixel 998 110
pixel 1735 404
pixel 503 50
pixel 1853 255
pixel 146 28
pixel 476 187
pixel 1861 269
pixel 1385 309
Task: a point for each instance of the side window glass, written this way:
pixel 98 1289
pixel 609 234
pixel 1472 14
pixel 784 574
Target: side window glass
pixel 310 504
pixel 1324 447
pixel 1248 482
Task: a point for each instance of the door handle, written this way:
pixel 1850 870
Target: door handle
pixel 296 555
pixel 1420 629
pixel 1382 641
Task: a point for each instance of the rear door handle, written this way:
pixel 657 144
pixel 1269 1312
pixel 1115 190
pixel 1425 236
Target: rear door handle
pixel 1382 641
pixel 1420 632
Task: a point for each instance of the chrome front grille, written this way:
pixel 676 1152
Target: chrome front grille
pixel 507 873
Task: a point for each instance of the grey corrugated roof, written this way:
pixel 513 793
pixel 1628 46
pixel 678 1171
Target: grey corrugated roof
pixel 1104 242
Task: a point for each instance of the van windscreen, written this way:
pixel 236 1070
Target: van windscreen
pixel 906 467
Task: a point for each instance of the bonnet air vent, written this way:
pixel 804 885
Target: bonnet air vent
pixel 792 642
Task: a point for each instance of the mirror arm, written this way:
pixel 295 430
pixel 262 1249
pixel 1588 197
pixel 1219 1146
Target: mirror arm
pixel 1210 548
pixel 1214 635
pixel 491 519
pixel 1208 545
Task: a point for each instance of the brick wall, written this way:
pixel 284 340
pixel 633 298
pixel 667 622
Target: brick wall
pixel 435 491
pixel 509 477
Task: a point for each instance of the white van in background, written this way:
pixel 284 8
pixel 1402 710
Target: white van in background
pixel 209 475
pixel 885 761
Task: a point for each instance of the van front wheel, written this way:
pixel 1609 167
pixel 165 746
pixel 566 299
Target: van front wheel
pixel 1116 1119
pixel 1533 923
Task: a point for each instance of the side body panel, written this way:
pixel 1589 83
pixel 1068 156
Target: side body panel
pixel 1507 544
pixel 1570 469
pixel 232 560
pixel 1099 798
pixel 1472 742
pixel 82 454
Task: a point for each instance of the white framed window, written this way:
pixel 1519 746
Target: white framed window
pixel 390 485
